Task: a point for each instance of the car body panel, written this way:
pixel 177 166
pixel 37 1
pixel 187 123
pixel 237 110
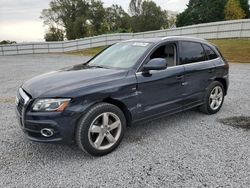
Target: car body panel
pixel 198 76
pixel 72 82
pixel 142 95
pixel 159 91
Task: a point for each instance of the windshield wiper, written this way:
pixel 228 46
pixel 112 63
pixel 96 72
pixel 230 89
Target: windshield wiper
pixel 97 66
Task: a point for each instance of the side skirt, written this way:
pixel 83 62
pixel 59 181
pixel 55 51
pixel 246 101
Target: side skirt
pixel 159 116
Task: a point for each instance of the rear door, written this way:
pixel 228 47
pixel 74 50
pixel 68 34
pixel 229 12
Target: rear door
pixel 199 72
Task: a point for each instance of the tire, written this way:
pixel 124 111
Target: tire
pixel 101 129
pixel 210 107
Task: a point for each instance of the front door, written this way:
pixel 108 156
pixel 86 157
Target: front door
pixel 160 92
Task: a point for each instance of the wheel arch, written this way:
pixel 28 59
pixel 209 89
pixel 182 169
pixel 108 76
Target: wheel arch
pixel 123 108
pixel 223 82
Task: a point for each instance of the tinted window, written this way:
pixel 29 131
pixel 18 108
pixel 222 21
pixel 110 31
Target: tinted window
pixel 191 52
pixel 210 53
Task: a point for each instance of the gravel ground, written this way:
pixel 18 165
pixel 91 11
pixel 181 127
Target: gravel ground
pixel 188 149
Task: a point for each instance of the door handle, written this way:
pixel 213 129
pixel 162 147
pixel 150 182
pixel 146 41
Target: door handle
pixel 179 77
pixel 184 83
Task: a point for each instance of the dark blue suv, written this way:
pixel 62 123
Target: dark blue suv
pixel 129 82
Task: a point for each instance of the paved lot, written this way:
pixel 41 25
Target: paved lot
pixel 184 150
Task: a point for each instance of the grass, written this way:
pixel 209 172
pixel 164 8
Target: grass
pixel 87 52
pixel 234 50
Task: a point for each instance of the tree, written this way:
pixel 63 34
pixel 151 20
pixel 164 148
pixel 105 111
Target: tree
pixel 79 18
pixel 148 16
pixel 172 21
pixel 69 14
pixel 202 11
pixel 117 20
pixel 83 18
pixel 96 16
pixel 233 10
pixel 7 42
pixel 245 6
pixel 54 34
pixel 135 7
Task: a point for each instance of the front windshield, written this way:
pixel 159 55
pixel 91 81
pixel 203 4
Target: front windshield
pixel 121 55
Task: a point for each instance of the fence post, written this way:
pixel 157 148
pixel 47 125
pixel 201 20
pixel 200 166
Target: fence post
pixel 48 47
pixel 241 28
pixel 77 47
pixel 2 50
pixel 17 50
pixel 217 31
pixel 63 46
pixel 106 39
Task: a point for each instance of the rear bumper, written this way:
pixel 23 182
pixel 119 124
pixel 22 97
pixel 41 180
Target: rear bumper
pixel 226 78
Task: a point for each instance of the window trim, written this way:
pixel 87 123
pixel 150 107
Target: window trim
pixel 146 59
pixel 180 49
pixel 189 64
pixel 177 42
pixel 205 45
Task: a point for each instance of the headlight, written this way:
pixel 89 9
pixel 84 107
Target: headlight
pixel 50 105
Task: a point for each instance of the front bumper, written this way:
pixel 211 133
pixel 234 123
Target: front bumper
pixel 32 128
pixel 63 124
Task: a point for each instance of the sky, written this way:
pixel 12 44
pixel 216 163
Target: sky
pixel 19 19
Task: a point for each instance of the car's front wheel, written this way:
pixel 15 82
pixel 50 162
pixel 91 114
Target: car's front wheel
pixel 101 129
pixel 213 99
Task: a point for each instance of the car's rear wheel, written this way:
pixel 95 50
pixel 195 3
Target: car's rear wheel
pixel 213 99
pixel 101 129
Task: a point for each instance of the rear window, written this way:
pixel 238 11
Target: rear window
pixel 191 52
pixel 210 52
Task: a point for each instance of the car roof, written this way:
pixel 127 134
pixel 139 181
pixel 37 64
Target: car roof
pixel 169 38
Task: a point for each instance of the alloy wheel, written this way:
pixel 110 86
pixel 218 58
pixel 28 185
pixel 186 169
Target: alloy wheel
pixel 216 98
pixel 104 131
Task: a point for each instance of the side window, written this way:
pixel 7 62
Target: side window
pixel 210 53
pixel 167 52
pixel 191 52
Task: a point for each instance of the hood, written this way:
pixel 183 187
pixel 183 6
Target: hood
pixel 65 82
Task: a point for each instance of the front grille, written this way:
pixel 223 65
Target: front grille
pixel 20 104
pixel 23 98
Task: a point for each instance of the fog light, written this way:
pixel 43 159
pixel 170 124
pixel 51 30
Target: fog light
pixel 47 132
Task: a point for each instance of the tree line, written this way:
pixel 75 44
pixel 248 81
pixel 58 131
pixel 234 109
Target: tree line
pixel 7 42
pixel 204 11
pixel 72 19
pixel 83 18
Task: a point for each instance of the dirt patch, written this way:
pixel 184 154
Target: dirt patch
pixel 237 121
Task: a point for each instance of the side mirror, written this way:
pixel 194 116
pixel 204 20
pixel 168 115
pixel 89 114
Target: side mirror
pixel 155 64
